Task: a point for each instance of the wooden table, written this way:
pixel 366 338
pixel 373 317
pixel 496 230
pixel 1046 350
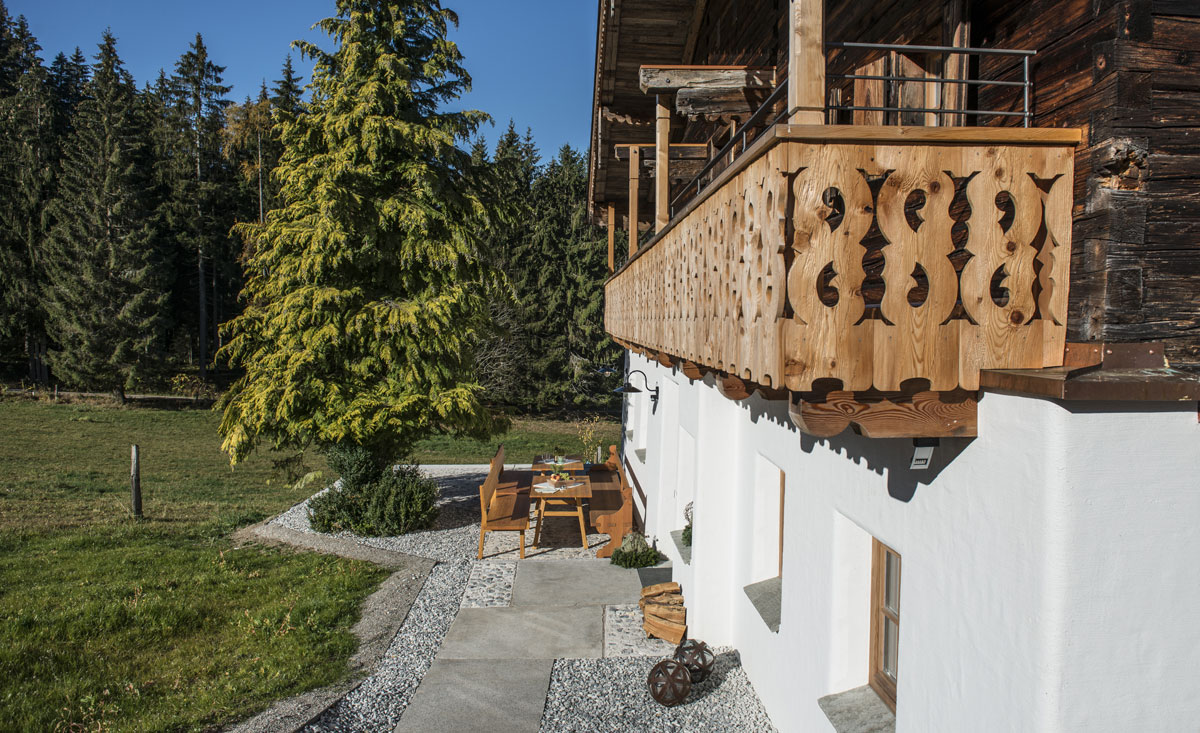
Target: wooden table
pixel 571 495
pixel 545 464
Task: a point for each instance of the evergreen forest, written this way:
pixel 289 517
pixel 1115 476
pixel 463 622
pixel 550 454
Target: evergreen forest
pixel 146 228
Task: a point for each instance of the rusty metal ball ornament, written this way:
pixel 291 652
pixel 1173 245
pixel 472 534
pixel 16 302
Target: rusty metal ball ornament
pixel 670 682
pixel 697 657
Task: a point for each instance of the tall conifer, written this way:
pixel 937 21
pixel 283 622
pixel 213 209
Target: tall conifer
pixel 105 295
pixel 199 96
pixel 367 290
pixel 27 163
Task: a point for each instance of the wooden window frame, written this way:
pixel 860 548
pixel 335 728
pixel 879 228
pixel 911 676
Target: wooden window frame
pixel 883 684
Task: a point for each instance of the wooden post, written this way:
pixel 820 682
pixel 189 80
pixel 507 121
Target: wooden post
pixel 135 482
pixel 662 158
pixel 635 170
pixel 612 237
pixel 806 62
pixel 956 31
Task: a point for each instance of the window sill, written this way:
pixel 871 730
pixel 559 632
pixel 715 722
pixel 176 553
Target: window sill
pixel 641 454
pixel 858 711
pixel 767 598
pixel 685 551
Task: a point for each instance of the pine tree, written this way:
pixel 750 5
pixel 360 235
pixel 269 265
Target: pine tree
pixel 367 289
pixel 105 295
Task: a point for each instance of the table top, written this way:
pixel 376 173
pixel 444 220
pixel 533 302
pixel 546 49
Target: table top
pixel 577 488
pixel 547 464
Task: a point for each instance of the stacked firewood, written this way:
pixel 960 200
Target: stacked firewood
pixel 663 613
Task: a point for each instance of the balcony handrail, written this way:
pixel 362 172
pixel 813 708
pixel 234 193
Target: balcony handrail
pixel 696 185
pixel 1026 114
pixel 755 120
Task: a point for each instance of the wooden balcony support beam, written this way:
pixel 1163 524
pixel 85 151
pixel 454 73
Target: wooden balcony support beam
pixel 806 61
pixel 635 167
pixel 709 103
pixel 677 151
pixel 887 415
pixel 670 79
pixel 662 162
pixel 612 237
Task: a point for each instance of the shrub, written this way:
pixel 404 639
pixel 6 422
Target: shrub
pixel 635 552
pixel 395 502
pixel 686 536
pixel 357 466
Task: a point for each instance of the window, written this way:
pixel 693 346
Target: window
pixel 885 621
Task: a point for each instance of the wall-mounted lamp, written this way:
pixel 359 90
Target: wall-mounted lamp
pixel 628 388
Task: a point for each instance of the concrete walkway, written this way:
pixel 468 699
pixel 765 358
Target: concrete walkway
pixel 493 669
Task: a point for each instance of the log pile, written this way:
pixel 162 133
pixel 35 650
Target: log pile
pixel 663 612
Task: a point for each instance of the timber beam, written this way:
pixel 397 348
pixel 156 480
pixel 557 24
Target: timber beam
pixel 670 79
pixel 721 103
pixel 677 151
pixel 887 415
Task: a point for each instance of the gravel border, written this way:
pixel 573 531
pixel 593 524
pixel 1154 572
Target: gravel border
pixel 379 701
pixel 611 695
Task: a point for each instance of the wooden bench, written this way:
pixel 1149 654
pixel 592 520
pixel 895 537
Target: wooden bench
pixel 504 501
pixel 610 509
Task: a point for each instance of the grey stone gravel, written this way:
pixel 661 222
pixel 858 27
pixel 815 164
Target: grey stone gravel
pixel 377 703
pixel 611 695
pixel 624 637
pixel 490 585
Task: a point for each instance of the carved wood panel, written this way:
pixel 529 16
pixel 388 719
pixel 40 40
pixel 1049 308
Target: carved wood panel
pixel 714 289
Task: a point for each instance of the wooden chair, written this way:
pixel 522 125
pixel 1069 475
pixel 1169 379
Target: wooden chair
pixel 503 501
pixel 611 507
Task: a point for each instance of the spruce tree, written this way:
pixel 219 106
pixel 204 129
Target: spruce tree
pixel 201 200
pixel 568 322
pixel 105 295
pixel 287 95
pixel 248 146
pixel 27 163
pixel 367 290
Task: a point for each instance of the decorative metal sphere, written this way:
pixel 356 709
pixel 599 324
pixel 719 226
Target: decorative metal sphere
pixel 670 682
pixel 697 657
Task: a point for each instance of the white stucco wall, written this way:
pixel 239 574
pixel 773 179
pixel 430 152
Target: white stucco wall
pixel 1050 569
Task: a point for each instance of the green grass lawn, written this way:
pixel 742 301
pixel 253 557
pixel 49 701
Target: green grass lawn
pixel 526 438
pixel 107 623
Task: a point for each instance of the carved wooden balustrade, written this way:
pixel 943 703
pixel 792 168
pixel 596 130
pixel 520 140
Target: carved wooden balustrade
pixel 871 256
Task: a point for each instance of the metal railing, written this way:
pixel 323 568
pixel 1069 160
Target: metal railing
pixel 1026 114
pixel 756 124
pixel 745 135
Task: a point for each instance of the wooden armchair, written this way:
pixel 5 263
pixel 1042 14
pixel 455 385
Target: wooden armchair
pixel 610 509
pixel 503 501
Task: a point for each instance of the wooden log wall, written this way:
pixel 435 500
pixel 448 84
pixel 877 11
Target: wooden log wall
pixel 1128 72
pixel 741 283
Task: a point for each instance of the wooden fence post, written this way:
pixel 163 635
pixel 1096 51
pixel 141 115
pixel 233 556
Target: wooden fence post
pixel 135 482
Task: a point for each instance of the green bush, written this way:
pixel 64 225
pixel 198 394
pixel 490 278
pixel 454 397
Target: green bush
pixel 686 536
pixel 635 552
pixel 396 502
pixel 357 466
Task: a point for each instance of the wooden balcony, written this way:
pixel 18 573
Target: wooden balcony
pixel 879 257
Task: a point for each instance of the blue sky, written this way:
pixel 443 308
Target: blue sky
pixel 531 60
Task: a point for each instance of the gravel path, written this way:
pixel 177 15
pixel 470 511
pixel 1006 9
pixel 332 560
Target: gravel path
pixel 611 695
pixel 585 694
